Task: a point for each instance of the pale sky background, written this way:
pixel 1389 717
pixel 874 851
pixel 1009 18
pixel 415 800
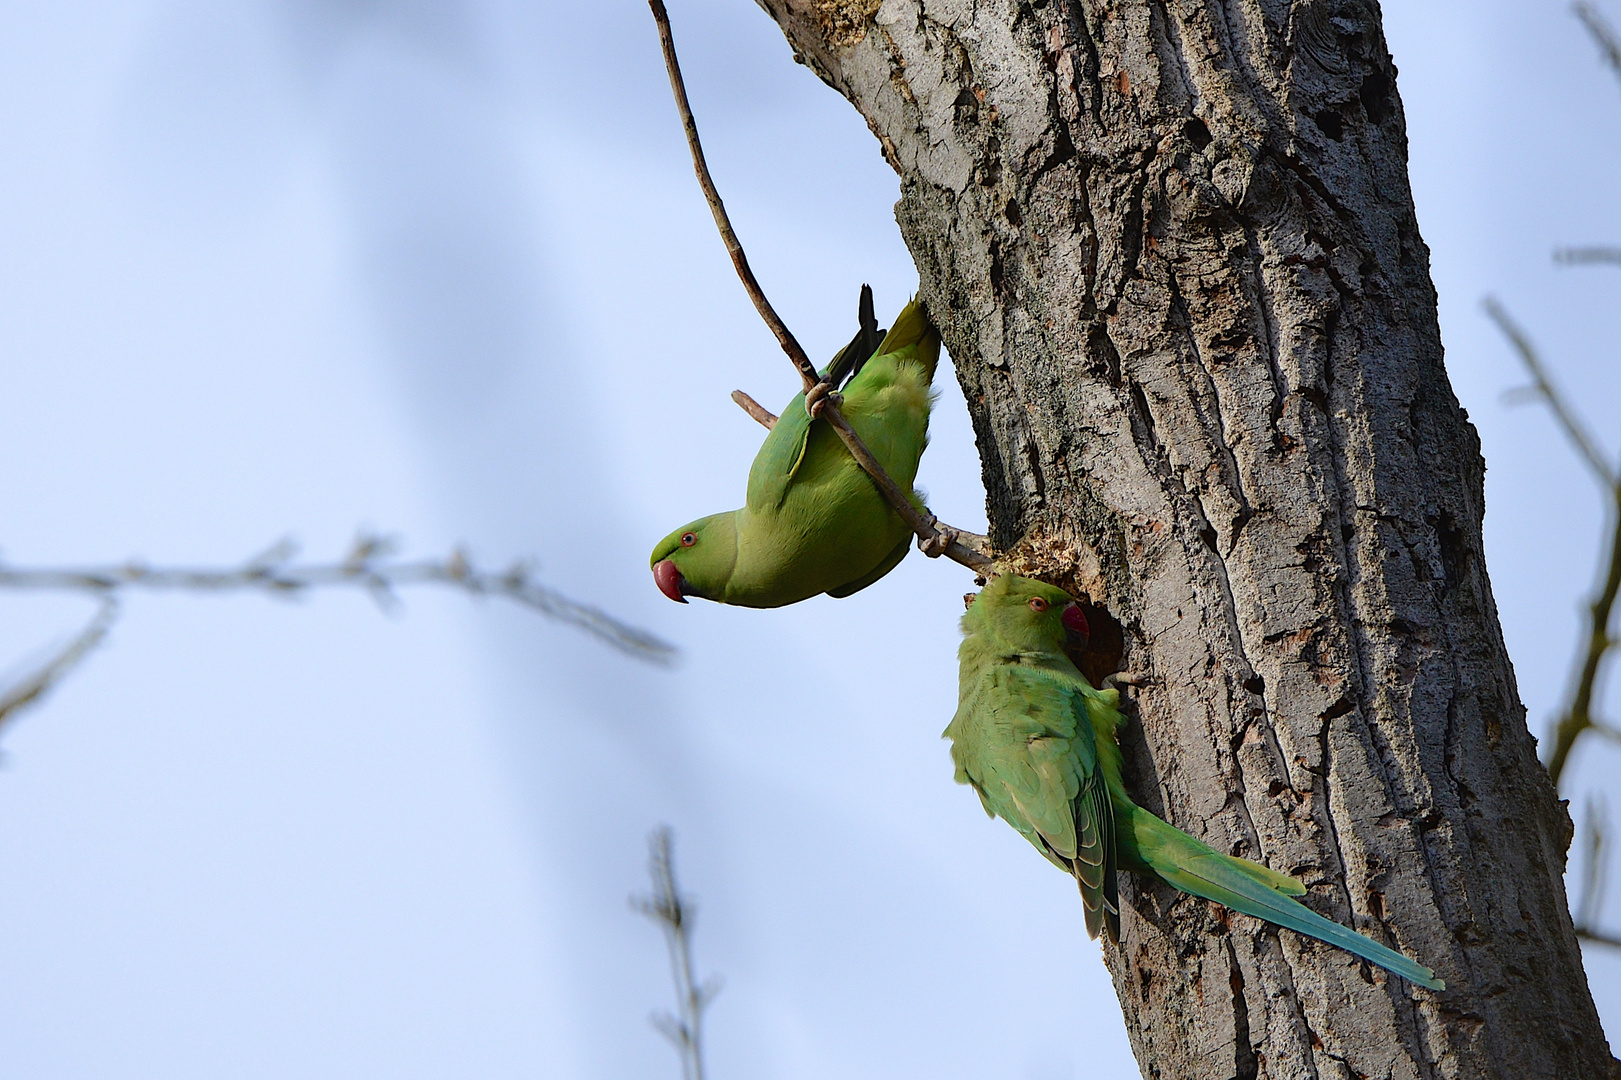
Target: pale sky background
pixel 275 267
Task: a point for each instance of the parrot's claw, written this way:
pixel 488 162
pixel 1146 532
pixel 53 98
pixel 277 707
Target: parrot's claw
pixel 819 397
pixel 935 546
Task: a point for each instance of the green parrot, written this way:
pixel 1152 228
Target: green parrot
pixel 813 521
pixel 1037 743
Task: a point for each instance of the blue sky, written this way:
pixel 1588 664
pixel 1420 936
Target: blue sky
pixel 440 268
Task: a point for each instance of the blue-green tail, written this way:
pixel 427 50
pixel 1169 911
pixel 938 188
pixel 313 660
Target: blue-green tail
pixel 1195 868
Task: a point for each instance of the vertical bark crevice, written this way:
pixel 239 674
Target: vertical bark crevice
pixel 1171 248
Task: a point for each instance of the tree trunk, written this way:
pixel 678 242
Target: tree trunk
pixel 1173 254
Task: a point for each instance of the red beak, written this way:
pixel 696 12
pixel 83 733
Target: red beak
pixel 1075 622
pixel 670 581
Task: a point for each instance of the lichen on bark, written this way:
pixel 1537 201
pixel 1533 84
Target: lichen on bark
pixel 1173 254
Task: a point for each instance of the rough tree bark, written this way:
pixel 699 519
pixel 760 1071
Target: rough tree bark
pixel 1172 249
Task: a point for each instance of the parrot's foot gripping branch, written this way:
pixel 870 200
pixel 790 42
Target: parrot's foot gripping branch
pixel 820 399
pixel 935 546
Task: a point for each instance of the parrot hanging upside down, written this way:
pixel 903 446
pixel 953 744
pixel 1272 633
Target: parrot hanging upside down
pixel 813 521
pixel 1037 743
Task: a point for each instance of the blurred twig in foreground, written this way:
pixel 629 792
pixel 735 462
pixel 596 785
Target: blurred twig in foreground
pixel 674 912
pixel 1602 33
pixel 1578 716
pixel 1588 256
pixel 368 565
pixel 32 687
pixel 1597 822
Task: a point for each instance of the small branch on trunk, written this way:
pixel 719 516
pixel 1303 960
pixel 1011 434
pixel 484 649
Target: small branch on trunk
pixel 31 689
pixel 764 415
pixel 674 913
pixel 934 538
pixel 1578 716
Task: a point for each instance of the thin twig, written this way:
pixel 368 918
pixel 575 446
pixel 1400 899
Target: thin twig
pixel 31 689
pixel 785 337
pixel 1588 256
pixel 1543 386
pixel 1597 938
pixel 674 914
pixel 934 538
pixel 367 566
pixel 760 413
pixel 1578 716
pixel 1602 32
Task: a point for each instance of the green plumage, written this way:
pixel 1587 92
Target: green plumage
pixel 1037 742
pixel 812 520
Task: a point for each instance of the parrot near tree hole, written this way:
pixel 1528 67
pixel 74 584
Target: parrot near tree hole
pixel 1037 742
pixel 813 521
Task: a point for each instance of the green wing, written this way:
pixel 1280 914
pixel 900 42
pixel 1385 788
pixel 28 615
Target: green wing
pixel 1022 738
pixel 779 457
pixel 783 451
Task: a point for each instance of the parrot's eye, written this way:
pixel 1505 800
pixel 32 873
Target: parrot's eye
pixel 1037 604
pixel 688 539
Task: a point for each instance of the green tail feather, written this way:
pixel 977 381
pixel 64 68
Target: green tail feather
pixel 913 329
pixel 1194 868
pixel 1285 884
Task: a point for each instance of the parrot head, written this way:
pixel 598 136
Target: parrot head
pixel 1028 612
pixel 697 559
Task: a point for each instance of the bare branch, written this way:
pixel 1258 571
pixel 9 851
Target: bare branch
pixel 1597 938
pixel 1568 421
pixel 785 337
pixel 368 565
pixel 1588 256
pixel 934 538
pixel 33 688
pixel 674 914
pixel 1578 718
pixel 1602 32
pixel 760 413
